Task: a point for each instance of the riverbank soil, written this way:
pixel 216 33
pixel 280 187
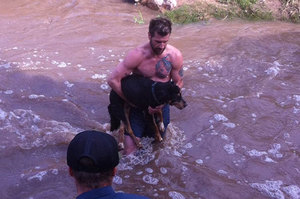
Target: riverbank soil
pixel 286 10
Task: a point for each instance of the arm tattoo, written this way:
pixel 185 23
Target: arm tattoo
pixel 181 72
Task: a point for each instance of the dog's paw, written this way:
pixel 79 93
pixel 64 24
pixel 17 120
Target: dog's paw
pixel 121 146
pixel 158 138
pixel 161 127
pixel 139 145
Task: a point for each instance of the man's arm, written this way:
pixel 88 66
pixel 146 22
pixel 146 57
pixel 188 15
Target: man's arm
pixel 131 61
pixel 177 69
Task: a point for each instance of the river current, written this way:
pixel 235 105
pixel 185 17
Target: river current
pixel 239 136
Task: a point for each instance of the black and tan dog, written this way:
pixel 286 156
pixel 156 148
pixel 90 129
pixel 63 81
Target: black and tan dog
pixel 142 92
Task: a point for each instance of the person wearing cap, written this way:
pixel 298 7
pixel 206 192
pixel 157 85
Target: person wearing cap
pixel 92 157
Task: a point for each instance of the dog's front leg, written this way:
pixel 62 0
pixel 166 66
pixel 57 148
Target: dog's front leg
pixel 157 132
pixel 129 129
pixel 121 136
pixel 161 125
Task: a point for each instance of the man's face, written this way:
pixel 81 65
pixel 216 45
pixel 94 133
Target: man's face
pixel 158 43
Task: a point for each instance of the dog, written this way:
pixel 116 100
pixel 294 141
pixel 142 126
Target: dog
pixel 141 92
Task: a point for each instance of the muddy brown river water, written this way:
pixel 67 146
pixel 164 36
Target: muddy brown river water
pixel 239 137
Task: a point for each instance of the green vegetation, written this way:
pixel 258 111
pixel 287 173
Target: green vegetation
pixel 290 10
pixel 243 4
pixel 228 9
pixel 139 19
pixel 186 14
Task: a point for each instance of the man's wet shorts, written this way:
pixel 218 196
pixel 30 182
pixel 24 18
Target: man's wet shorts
pixel 141 123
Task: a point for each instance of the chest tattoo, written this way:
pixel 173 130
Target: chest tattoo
pixel 163 67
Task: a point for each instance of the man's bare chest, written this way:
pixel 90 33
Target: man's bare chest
pixel 156 67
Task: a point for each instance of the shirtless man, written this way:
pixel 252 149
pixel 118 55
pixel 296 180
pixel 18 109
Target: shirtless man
pixel 156 60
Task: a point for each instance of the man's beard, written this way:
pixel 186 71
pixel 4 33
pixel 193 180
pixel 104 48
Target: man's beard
pixel 157 51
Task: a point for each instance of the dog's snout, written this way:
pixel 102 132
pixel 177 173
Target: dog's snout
pixel 184 103
pixel 180 104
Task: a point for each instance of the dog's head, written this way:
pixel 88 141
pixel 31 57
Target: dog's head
pixel 170 93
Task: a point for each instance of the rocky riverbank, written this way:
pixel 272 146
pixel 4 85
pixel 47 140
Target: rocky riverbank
pixel 186 11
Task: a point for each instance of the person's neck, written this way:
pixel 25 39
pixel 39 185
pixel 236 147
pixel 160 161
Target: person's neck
pixel 82 189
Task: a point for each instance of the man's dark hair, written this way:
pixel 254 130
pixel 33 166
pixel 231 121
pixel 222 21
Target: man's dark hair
pixel 92 180
pixel 160 25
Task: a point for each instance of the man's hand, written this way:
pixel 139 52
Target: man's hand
pixel 154 110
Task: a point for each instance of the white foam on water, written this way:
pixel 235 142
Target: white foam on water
pixel 276 63
pixel 275 151
pixel 220 117
pixel 54 62
pixel 199 161
pixel 27 130
pixel 229 148
pixel 62 65
pixel 222 172
pixel 296 97
pixel 3 114
pixel 276 189
pixel 149 170
pixel 188 145
pixel 139 173
pixel 99 76
pixel 163 170
pixel 5 65
pixel 140 157
pixel 68 84
pixel 273 71
pixel 256 153
pixel 8 92
pixel 104 86
pixel 38 176
pixel 224 137
pixel 176 195
pixel 296 110
pixel 117 180
pixel 54 171
pixel 177 153
pixel 149 179
pixel 184 168
pixel 229 124
pixel 268 159
pixel 292 190
pixel 34 96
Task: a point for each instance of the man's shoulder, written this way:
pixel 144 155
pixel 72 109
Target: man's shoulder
pixel 129 196
pixel 138 53
pixel 173 49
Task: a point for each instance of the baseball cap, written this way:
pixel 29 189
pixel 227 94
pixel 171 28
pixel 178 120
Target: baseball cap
pixel 101 148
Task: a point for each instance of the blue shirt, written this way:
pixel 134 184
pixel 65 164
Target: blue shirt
pixel 108 193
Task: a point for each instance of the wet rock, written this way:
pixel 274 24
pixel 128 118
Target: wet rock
pixel 159 4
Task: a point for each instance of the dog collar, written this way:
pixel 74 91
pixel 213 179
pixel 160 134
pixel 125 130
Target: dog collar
pixel 153 93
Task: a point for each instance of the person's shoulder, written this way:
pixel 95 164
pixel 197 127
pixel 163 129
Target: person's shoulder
pixel 174 51
pixel 135 56
pixel 129 196
pixel 139 50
